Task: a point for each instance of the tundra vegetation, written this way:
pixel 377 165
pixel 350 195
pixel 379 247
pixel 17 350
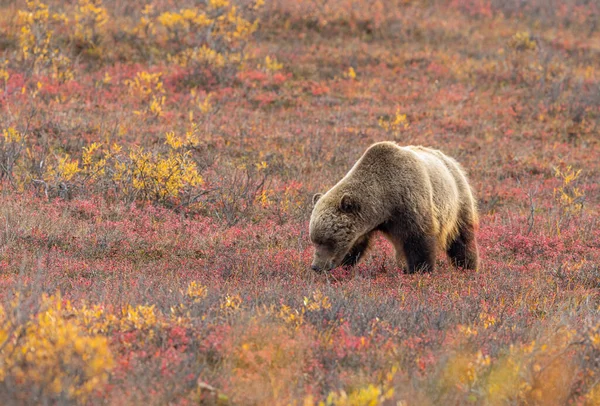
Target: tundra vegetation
pixel 157 163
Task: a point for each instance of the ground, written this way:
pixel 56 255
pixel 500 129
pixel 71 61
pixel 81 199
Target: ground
pixel 158 163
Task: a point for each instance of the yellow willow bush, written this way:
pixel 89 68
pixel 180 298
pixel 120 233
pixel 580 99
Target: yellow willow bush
pixel 4 75
pixel 44 33
pixel 165 175
pixel 12 148
pixel 211 36
pixel 295 317
pixel 369 395
pixel 522 41
pixel 89 18
pixel 143 319
pixel 38 47
pixel 569 196
pixel 263 357
pixel 148 88
pixel 538 372
pixel 50 355
pixel 196 292
pixel 394 124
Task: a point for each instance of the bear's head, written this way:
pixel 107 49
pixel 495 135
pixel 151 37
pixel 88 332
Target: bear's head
pixel 334 226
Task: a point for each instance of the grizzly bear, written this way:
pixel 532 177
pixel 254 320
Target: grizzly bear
pixel 418 197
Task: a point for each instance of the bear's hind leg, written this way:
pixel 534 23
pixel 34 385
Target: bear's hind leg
pixel 420 253
pixel 357 250
pixel 463 251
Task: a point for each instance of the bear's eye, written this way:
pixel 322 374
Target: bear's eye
pixel 328 244
pixel 318 241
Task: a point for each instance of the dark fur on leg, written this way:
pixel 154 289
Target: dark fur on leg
pixel 463 251
pixel 420 253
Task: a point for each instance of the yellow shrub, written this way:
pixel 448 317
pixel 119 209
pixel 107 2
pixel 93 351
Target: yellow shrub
pixel 196 291
pixel 138 318
pixel 152 175
pixel 4 75
pixel 11 135
pixel 186 19
pixel 148 88
pixel 351 74
pixel 370 395
pixel 202 55
pixel 394 124
pixel 292 317
pixel 504 382
pixel 95 319
pixel 569 196
pixel 593 396
pixel 210 36
pixel 162 177
pixel 272 65
pixel 36 33
pixel 145 84
pixel 34 37
pixel 318 301
pixel 522 41
pixel 53 354
pixel 231 303
pixel 90 16
pixel 295 318
pixel 64 170
pixel 265 358
pixel 145 28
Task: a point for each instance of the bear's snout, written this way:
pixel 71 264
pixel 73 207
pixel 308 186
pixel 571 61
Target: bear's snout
pixel 321 268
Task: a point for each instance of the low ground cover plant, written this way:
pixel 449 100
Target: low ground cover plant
pixel 157 164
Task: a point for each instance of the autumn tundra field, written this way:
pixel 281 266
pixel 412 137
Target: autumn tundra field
pixel 157 165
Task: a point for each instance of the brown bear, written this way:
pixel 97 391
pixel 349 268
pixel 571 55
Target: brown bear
pixel 418 197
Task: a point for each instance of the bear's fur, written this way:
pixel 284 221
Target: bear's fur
pixel 418 197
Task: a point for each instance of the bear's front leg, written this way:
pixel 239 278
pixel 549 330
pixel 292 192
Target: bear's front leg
pixel 357 251
pixel 420 253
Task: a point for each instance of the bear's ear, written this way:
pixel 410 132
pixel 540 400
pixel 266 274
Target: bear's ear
pixel 316 198
pixel 348 204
